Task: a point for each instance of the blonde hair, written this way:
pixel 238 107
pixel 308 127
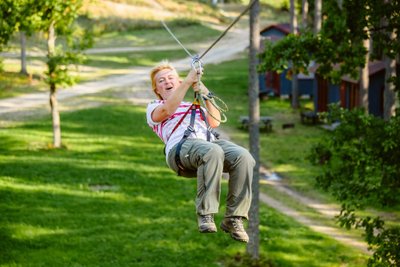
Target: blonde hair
pixel 161 66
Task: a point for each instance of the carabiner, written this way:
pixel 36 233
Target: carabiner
pixel 196 64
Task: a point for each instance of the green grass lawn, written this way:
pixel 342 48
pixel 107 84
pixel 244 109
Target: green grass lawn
pixel 108 199
pixel 14 84
pixel 131 59
pixel 189 35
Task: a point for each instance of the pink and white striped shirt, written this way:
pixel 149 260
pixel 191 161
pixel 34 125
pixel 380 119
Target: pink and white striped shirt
pixel 163 129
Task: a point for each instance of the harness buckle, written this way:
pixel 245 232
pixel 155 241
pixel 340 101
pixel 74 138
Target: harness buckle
pixel 190 129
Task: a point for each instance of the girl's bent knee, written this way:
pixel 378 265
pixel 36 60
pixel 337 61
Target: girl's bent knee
pixel 246 158
pixel 215 152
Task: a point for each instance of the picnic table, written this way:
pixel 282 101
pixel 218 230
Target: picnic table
pixel 265 123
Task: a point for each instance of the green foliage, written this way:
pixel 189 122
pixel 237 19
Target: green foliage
pixel 360 167
pixel 293 48
pixel 385 241
pixel 58 66
pixel 62 14
pixel 8 20
pixel 387 252
pixel 385 21
pixel 360 158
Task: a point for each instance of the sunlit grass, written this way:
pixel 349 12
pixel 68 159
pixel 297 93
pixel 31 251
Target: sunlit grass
pixel 12 83
pixel 131 59
pixel 188 35
pixel 26 232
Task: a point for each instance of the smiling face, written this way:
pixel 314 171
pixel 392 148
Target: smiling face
pixel 165 82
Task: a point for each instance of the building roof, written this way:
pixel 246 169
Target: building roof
pixel 373 67
pixel 283 27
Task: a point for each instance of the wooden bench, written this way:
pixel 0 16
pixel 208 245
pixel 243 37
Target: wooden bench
pixel 265 123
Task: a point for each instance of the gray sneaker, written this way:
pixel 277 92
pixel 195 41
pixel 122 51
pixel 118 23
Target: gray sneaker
pixel 234 226
pixel 206 223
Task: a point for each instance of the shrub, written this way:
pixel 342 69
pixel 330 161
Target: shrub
pixel 361 168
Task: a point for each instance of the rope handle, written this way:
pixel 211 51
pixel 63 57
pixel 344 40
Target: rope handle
pixel 213 100
pixel 199 97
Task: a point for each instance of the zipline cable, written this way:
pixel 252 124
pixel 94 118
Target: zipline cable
pixel 176 39
pixel 227 29
pixel 216 41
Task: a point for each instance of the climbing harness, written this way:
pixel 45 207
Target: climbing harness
pixel 199 98
pixel 190 129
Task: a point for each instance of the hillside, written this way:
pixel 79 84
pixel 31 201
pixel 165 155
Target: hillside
pixel 145 13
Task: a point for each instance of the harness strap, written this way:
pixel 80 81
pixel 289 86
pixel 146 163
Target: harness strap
pixel 180 121
pixel 188 132
pixel 207 124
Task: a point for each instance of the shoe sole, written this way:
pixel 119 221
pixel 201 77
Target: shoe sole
pixel 226 230
pixel 208 231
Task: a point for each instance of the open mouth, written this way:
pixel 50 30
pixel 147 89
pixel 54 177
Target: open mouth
pixel 169 88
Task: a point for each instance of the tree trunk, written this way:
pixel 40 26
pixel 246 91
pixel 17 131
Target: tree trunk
pixel 293 30
pixel 254 131
pixel 55 115
pixel 304 14
pixel 53 100
pixel 340 4
pixel 389 95
pixel 364 77
pixel 317 16
pixel 293 18
pixel 23 53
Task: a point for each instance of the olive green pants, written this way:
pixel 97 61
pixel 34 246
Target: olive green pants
pixel 209 160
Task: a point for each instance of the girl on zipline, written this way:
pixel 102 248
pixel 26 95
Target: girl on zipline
pixel 193 150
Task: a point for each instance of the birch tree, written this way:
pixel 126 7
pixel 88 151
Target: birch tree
pixel 58 18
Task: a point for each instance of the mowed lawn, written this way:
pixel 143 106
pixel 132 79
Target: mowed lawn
pixel 108 199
